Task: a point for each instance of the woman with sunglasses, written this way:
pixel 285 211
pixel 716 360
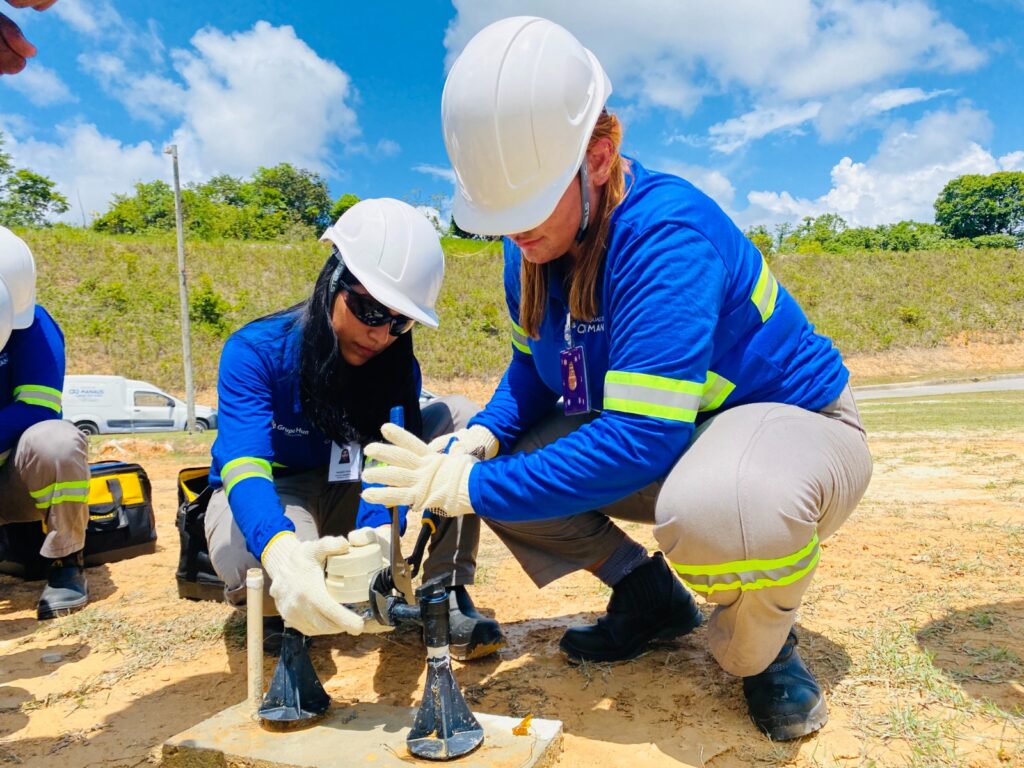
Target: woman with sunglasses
pixel 695 395
pixel 300 392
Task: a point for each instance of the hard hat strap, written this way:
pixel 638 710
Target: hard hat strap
pixel 584 203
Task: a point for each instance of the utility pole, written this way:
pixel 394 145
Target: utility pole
pixel 186 345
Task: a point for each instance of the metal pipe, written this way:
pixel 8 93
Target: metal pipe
pixel 254 636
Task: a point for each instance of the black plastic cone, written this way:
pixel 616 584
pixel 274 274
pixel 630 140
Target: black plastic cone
pixel 295 697
pixel 444 727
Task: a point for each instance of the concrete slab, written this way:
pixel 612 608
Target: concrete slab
pixel 351 735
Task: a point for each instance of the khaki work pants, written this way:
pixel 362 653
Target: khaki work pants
pixel 319 508
pixel 740 516
pixel 46 478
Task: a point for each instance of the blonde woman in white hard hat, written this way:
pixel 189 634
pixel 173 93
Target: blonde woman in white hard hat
pixel 44 465
pixel 300 392
pixel 659 373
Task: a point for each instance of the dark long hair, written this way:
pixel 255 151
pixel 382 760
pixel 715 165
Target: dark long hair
pixel 351 402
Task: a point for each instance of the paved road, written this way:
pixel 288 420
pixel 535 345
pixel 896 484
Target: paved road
pixel 991 384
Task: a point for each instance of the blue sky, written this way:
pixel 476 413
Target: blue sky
pixel 777 108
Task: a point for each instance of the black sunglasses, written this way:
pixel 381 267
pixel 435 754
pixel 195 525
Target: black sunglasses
pixel 367 309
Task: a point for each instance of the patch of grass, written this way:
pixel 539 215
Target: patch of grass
pixel 974 412
pixel 141 645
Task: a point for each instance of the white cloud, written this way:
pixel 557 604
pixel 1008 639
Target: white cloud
pixel 388 148
pixel 673 54
pixel 86 165
pixel 728 136
pixel 259 98
pixel 90 18
pixel 902 179
pixel 41 85
pixel 442 172
pixel 840 114
pixel 1014 161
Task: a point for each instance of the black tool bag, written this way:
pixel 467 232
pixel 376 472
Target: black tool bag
pixel 19 550
pixel 196 578
pixel 121 523
pixel 121 519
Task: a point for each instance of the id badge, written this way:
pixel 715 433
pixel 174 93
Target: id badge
pixel 575 397
pixel 346 463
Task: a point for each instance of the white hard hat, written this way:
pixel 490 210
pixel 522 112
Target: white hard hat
pixel 6 314
pixel 518 109
pixel 394 252
pixel 18 270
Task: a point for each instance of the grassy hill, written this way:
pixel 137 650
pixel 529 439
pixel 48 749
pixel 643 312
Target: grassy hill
pixel 117 299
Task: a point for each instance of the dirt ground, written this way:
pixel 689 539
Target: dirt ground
pixel 914 626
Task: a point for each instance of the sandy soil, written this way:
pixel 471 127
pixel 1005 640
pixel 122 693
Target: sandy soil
pixel 914 626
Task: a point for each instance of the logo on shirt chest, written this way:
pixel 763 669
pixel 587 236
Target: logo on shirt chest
pixel 581 327
pixel 289 431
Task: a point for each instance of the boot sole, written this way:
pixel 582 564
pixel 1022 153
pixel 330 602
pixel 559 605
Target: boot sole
pixel 789 727
pixel 42 614
pixel 466 652
pixel 663 635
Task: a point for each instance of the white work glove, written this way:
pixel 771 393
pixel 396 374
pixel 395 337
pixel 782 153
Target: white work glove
pixel 415 475
pixel 296 569
pixel 381 535
pixel 477 441
pixel 362 537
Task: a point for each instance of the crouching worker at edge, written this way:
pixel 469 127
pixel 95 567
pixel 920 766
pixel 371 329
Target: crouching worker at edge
pixel 696 395
pixel 300 393
pixel 44 462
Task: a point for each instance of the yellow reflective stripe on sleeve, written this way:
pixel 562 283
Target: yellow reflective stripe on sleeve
pixel 4 455
pixel 648 395
pixel 746 575
pixel 242 468
pixel 57 493
pixel 37 394
pixel 716 389
pixel 765 292
pixel 520 339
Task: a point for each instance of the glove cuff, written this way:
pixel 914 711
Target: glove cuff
pixel 279 551
pixel 483 437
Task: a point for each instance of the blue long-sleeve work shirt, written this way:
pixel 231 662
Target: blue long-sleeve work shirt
pixel 692 322
pixel 31 378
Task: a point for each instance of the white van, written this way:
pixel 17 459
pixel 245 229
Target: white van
pixel 104 404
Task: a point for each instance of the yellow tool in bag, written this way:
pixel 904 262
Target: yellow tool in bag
pixel 121 519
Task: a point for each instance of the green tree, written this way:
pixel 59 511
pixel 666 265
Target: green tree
pixel 975 205
pixel 342 204
pixel 27 198
pixel 761 238
pixel 150 209
pixel 300 192
pixel 817 234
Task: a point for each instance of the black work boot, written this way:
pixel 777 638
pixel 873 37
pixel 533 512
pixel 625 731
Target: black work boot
pixel 648 604
pixel 472 636
pixel 785 701
pixel 66 588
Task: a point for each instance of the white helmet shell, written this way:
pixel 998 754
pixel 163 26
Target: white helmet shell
pixel 6 314
pixel 18 270
pixel 394 252
pixel 518 109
